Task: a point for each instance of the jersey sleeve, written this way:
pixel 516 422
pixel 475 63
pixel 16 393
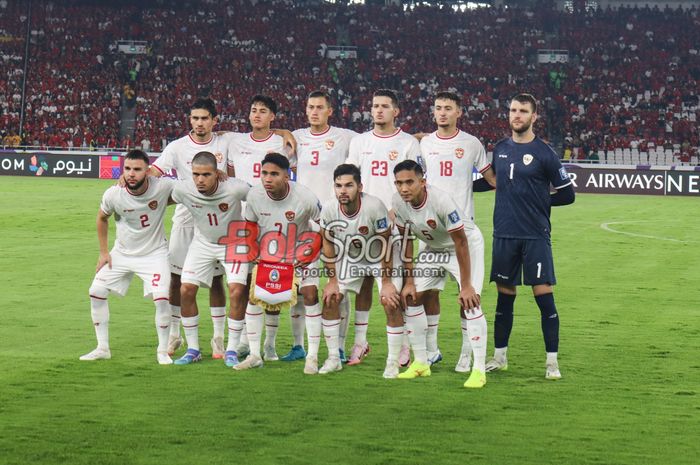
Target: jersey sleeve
pixel 251 213
pixel 354 152
pixel 555 172
pixel 241 189
pixel 397 206
pixel 414 152
pixel 166 186
pixel 166 161
pixel 107 203
pixel 380 217
pixel 327 213
pixel 481 162
pixel 315 206
pixel 453 220
pixel 178 193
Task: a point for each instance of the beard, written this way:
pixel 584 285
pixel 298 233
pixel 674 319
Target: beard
pixel 138 185
pixel 522 129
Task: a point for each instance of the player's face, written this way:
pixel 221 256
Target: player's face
pixel 347 190
pixel 135 172
pixel 446 113
pixel 383 110
pixel 274 178
pixel 260 116
pixel 409 185
pixel 202 122
pixel 521 117
pixel 318 111
pixel 205 178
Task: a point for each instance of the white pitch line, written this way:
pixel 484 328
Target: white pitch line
pixel 606 227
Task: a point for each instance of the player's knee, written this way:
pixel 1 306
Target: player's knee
pixel 236 292
pixel 188 291
pixel 310 295
pixel 98 292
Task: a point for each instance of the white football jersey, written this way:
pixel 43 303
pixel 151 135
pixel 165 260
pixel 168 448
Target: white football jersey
pixel 376 156
pixel 212 213
pixel 370 219
pixel 139 218
pixel 449 164
pixel 433 220
pixel 246 154
pixel 317 157
pixel 178 155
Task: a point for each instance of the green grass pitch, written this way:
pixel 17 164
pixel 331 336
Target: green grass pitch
pixel 628 296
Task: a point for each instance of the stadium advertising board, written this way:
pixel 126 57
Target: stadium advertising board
pixel 634 181
pixel 48 164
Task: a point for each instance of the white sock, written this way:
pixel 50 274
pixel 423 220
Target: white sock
pixel 552 358
pixel 417 325
pixel 361 323
pixel 476 326
pixel 254 326
pixel 218 319
pixel 313 329
pixel 244 335
pixel 344 321
pixel 297 315
pixel 175 315
pixel 500 353
pixel 405 342
pixel 431 335
pixel 272 324
pixel 394 337
pixel 466 343
pixel 191 325
pixel 99 310
pixel 162 323
pixel 331 330
pixel 235 331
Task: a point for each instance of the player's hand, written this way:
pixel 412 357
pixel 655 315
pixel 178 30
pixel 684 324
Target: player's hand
pixel 408 294
pixel 390 297
pixel 221 176
pixel 121 181
pixel 289 140
pixel 104 259
pixel 469 300
pixel 332 293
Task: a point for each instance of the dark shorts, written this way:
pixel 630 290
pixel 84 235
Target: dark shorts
pixel 514 259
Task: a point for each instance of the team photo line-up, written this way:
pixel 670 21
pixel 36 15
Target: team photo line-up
pixel 359 203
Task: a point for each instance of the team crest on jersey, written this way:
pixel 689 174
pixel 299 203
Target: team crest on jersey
pixel 527 159
pixel 393 155
pixel 223 207
pixel 290 215
pixel 153 204
pixel 364 230
pixel 459 152
pixel 274 276
pixel 219 157
pixel 431 222
pixel 330 144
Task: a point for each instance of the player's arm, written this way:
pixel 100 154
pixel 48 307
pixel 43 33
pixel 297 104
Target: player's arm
pixel 389 295
pixel 332 290
pixel 288 137
pixel 468 298
pixel 103 239
pixel 563 196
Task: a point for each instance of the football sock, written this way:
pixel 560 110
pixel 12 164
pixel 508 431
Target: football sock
pixel 297 315
pixel 466 344
pixel 99 310
pixel 175 315
pixel 344 321
pixel 552 358
pixel 476 327
pixel 244 335
pixel 162 323
pixel 254 325
pixel 500 352
pixel 431 336
pixel 394 337
pixel 503 323
pixel 313 329
pixel 417 325
pixel 550 321
pixel 272 323
pixel 361 323
pixel 235 330
pixel 331 330
pixel 218 319
pixel 191 325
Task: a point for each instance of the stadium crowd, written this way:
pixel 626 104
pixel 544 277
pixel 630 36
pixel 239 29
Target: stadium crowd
pixel 631 81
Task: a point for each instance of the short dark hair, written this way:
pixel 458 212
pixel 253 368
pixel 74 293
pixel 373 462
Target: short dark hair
pixel 388 93
pixel 205 104
pixel 205 159
pixel 526 98
pixel 268 101
pixel 276 159
pixel 137 154
pixel 320 94
pixel 409 165
pixel 444 95
pixel 347 168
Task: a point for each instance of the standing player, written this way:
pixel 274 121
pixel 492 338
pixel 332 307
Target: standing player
pixel 178 155
pixel 525 167
pixel 376 153
pixel 140 247
pixel 450 157
pixel 320 149
pixel 213 205
pixel 350 226
pixel 279 207
pixel 434 218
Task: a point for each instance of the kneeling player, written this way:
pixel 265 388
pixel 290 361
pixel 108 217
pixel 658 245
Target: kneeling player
pixel 434 218
pixel 140 247
pixel 213 205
